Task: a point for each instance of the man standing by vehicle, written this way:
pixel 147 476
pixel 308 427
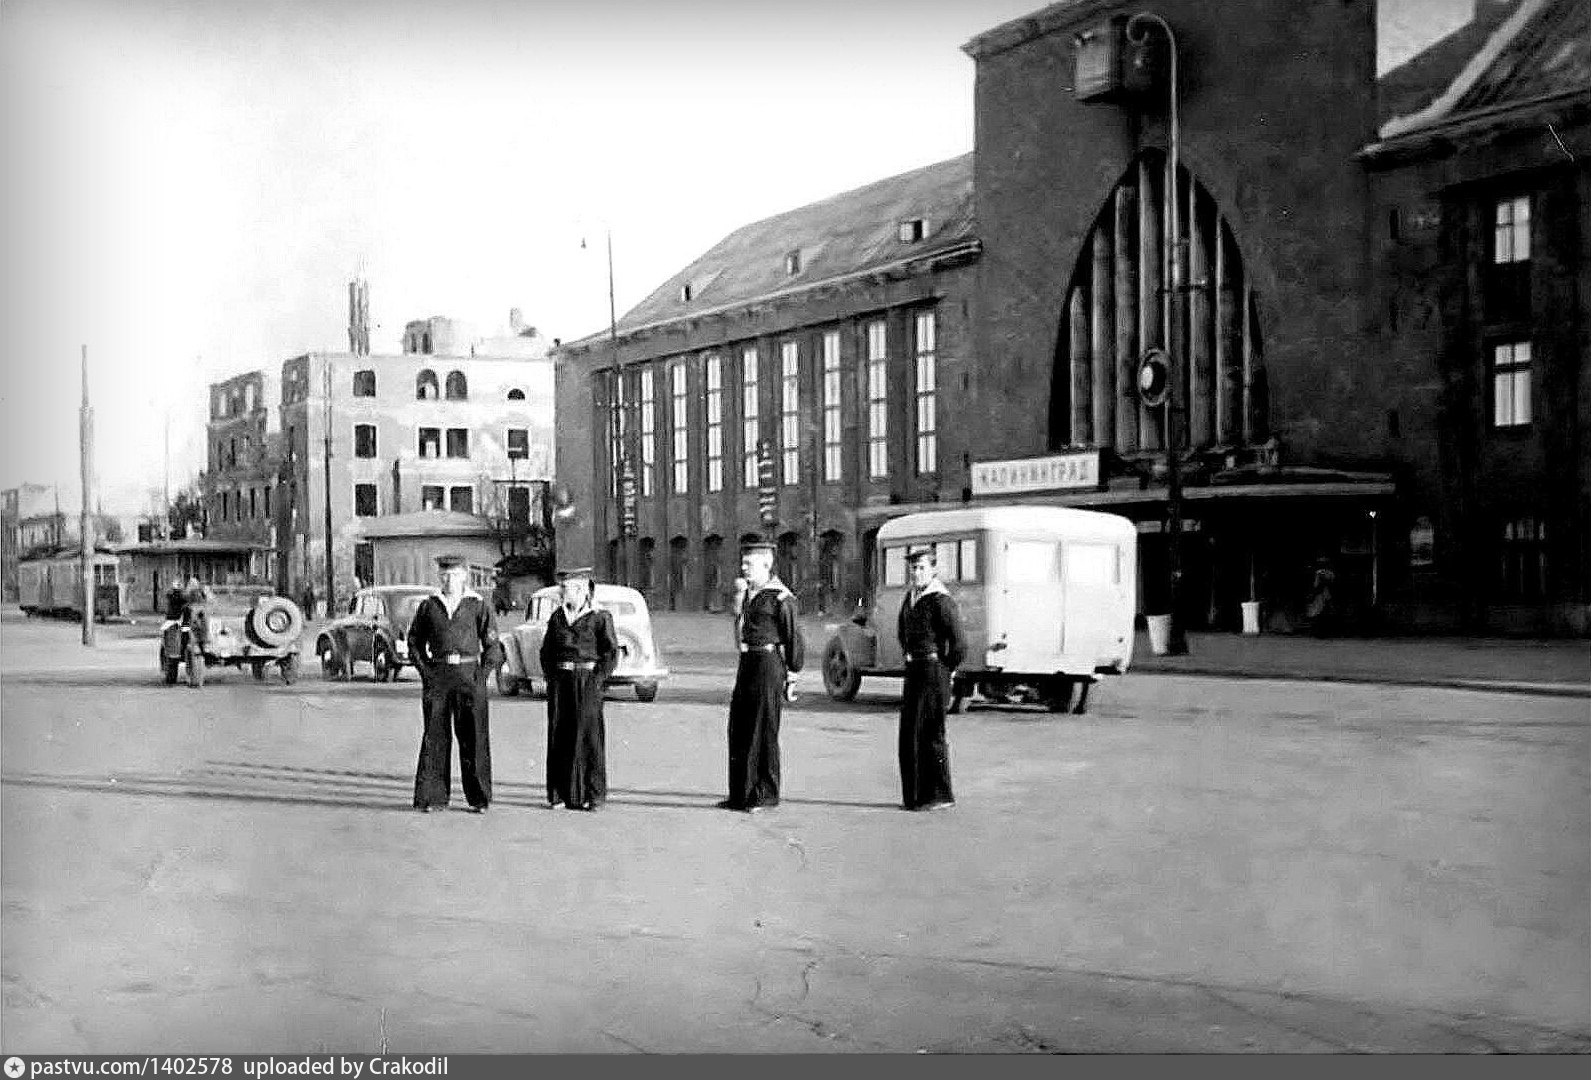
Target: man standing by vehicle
pixel 931 640
pixel 770 651
pixel 453 642
pixel 578 652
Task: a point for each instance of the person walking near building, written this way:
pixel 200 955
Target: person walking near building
pixel 578 652
pixel 771 650
pixel 453 642
pixel 931 640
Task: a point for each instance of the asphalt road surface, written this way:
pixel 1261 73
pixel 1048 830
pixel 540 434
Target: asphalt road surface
pixel 1196 865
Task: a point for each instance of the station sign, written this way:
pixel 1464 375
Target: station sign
pixel 1057 472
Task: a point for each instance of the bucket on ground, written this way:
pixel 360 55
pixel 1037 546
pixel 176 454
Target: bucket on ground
pixel 1251 616
pixel 1159 634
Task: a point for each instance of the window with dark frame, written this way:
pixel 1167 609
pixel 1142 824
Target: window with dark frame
pixel 365 383
pixel 1524 559
pixel 750 433
pixel 789 412
pixel 1511 398
pixel 831 407
pixel 927 392
pixel 518 443
pixel 461 500
pixel 364 500
pixel 679 427
pixel 458 442
pixel 432 496
pixel 877 400
pixel 713 368
pixel 430 442
pixel 648 397
pixel 364 440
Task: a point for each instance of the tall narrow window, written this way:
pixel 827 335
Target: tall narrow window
pixel 714 368
pixel 648 397
pixel 831 406
pixel 1511 231
pixel 790 412
pixel 927 395
pixel 458 442
pixel 679 434
pixel 364 440
pixel 458 387
pixel 750 428
pixel 1511 384
pixel 430 442
pixel 365 500
pixel 877 400
pixel 425 386
pixel 518 443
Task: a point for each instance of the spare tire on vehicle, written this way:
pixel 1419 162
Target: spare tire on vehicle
pixel 275 622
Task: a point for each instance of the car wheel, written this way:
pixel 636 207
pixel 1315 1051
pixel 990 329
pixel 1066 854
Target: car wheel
pixel 507 685
pixel 840 677
pixel 289 666
pixel 381 665
pixel 331 665
pixel 646 691
pixel 195 668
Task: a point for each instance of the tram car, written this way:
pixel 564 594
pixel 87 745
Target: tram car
pixel 52 585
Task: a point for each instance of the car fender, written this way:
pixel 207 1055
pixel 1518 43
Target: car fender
pixel 512 664
pixel 860 643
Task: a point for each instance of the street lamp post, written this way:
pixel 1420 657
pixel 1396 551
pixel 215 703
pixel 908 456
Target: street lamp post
pixel 1138 28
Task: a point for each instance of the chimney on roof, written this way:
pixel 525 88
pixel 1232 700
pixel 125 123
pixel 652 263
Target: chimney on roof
pixel 359 317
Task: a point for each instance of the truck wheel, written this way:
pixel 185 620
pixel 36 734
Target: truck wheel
pixel 258 668
pixel 1058 695
pixel 381 665
pixel 169 669
pixel 646 691
pixel 840 677
pixel 289 666
pixel 195 668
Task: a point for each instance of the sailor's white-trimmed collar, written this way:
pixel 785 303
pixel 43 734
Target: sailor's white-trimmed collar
pixel 933 586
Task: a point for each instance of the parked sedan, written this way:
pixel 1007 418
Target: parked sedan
pixel 640 665
pixel 373 632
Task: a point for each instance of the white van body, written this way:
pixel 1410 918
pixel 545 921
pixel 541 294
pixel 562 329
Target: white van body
pixel 1047 597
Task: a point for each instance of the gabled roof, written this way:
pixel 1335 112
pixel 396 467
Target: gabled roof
pixel 1539 53
pixel 1416 82
pixel 841 236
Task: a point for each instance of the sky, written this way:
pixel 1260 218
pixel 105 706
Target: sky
pixel 189 185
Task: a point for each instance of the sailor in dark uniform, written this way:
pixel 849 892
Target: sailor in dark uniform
pixel 930 637
pixel 771 652
pixel 578 652
pixel 453 642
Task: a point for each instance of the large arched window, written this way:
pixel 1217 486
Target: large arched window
pixel 1115 310
pixel 425 385
pixel 458 388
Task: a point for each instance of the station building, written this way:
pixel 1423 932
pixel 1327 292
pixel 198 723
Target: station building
pixel 1373 292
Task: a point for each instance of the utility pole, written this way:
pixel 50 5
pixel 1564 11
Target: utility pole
pixel 1177 642
pixel 330 573
pixel 626 482
pixel 85 426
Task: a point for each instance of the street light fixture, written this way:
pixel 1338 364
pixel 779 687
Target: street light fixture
pixel 1166 362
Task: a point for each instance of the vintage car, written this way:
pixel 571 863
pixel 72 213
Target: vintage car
pixel 1047 595
pixel 640 665
pixel 374 632
pixel 247 626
